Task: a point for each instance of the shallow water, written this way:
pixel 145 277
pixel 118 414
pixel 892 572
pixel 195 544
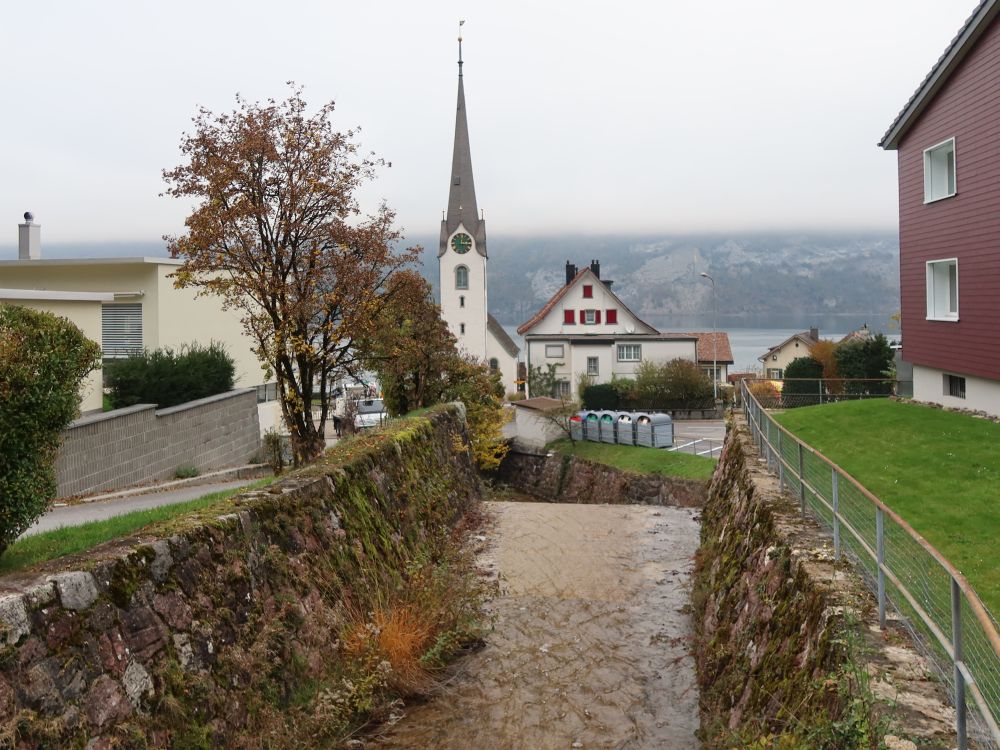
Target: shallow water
pixel 592 636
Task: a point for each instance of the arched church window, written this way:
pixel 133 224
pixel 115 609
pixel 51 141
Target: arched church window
pixel 494 364
pixel 461 277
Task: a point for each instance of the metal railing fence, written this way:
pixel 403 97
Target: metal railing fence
pixel 936 602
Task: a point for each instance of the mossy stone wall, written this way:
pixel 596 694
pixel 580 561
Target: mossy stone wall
pixel 788 649
pixel 209 634
pixel 559 478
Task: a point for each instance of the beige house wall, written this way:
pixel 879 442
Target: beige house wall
pixel 789 352
pixel 86 315
pixel 184 317
pixel 170 317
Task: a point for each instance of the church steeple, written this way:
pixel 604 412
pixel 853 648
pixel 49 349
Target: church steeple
pixel 462 207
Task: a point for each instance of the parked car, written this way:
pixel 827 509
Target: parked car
pixel 369 412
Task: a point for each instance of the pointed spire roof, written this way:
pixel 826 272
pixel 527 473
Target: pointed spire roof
pixel 462 207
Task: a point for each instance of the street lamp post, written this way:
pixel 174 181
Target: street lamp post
pixel 715 340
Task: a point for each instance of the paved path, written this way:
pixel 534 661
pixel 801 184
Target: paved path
pixel 74 515
pixel 590 647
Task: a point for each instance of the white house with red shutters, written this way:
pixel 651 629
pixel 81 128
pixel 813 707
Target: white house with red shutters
pixel 585 329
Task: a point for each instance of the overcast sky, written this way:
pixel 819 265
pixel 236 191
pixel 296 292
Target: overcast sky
pixel 669 116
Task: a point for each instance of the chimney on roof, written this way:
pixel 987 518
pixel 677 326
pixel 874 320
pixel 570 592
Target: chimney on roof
pixel 570 272
pixel 595 268
pixel 814 334
pixel 29 239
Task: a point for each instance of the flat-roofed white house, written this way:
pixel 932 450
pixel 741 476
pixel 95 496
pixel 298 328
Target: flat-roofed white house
pixel 585 329
pixel 124 304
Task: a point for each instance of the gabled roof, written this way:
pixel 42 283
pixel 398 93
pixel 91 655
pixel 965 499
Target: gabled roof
pixel 547 308
pixel 502 337
pixel 953 56
pixel 804 337
pixel 707 351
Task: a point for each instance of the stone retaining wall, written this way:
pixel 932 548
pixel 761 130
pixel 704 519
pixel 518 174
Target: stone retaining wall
pixel 567 479
pixel 194 637
pixel 784 631
pixel 141 444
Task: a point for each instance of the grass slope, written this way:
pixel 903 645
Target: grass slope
pixel 639 459
pixel 69 540
pixel 939 470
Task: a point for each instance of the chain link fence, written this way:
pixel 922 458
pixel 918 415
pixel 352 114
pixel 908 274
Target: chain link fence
pixel 791 393
pixel 949 623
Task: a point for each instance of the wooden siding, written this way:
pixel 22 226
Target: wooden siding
pixel 966 226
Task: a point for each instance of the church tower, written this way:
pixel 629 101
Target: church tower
pixel 462 250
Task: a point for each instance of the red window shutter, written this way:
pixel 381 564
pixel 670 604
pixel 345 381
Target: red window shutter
pixel 568 317
pixel 612 317
pixel 588 290
pixel 597 316
pixel 583 317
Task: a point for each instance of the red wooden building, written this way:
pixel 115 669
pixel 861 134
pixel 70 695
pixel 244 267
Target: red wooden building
pixel 948 143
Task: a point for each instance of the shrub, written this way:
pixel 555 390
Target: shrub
pixel 677 384
pixel 871 358
pixel 602 396
pixel 43 361
pixel 167 378
pixel 802 367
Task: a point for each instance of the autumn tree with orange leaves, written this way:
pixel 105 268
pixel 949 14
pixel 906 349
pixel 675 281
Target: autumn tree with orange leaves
pixel 278 234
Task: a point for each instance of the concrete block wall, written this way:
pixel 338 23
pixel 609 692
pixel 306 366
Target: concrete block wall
pixel 125 447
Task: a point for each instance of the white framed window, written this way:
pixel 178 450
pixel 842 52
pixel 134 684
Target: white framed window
pixel 461 277
pixel 954 385
pixel 712 372
pixel 121 329
pixel 554 350
pixel 589 317
pixel 775 373
pixel 630 352
pixel 942 289
pixel 939 171
pixel 562 388
pixel 593 366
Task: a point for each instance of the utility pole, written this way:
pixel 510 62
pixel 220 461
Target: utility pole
pixel 715 340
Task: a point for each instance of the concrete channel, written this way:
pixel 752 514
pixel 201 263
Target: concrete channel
pixel 591 646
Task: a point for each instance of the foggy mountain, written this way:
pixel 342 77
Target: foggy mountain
pixel 761 279
pixel 764 279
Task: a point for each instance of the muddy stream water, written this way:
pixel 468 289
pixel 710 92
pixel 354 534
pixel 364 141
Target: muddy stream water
pixel 591 641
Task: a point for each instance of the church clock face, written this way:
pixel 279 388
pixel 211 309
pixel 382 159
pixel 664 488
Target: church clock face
pixel 461 243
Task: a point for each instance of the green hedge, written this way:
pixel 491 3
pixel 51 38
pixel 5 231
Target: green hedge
pixel 43 361
pixel 167 378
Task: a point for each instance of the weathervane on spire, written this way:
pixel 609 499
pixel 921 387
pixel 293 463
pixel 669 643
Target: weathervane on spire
pixel 461 23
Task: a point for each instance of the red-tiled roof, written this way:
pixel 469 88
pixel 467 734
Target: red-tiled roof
pixel 707 343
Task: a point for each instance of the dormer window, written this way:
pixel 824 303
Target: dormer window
pixel 588 291
pixel 939 171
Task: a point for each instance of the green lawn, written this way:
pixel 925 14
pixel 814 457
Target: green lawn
pixel 49 545
pixel 642 460
pixel 939 470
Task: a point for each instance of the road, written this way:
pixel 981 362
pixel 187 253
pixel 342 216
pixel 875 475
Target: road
pixel 74 515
